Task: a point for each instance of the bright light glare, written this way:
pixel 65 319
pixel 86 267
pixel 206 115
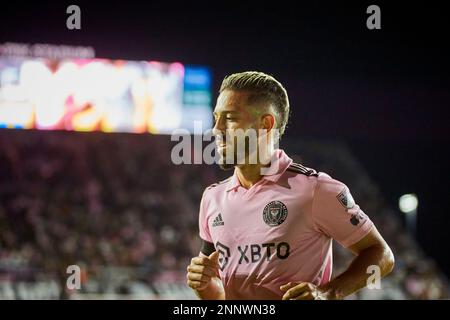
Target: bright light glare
pixel 408 203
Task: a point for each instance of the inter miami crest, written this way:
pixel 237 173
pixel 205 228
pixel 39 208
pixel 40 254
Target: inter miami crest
pixel 275 213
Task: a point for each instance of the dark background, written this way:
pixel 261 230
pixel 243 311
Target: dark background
pixel 385 92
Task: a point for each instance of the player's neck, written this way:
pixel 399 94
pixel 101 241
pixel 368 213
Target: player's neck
pixel 249 175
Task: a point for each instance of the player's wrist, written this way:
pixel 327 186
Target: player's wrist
pixel 330 293
pixel 203 288
pixel 211 291
pixel 209 286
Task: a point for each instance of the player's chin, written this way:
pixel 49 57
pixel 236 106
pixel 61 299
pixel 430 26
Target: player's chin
pixel 224 163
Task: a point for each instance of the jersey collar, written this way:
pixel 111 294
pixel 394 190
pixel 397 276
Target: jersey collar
pixel 279 164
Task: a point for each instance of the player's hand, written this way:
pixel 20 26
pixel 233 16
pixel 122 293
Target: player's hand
pixel 201 270
pixel 303 291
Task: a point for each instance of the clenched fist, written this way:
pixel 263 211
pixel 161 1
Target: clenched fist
pixel 201 270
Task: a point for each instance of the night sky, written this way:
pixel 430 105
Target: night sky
pixel 385 92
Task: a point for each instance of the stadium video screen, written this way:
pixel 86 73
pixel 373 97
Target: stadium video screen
pixel 103 95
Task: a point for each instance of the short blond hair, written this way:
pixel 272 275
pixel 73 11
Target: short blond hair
pixel 263 88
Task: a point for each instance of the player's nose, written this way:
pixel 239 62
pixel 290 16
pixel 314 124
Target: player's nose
pixel 219 134
pixel 219 126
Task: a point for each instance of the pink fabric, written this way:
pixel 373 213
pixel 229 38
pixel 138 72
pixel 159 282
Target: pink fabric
pixel 295 241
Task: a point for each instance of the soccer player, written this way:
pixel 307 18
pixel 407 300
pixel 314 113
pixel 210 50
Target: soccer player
pixel 268 235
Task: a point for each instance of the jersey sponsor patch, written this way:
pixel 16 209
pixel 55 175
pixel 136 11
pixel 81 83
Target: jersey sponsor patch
pixel 252 253
pixel 345 198
pixel 275 213
pixel 224 254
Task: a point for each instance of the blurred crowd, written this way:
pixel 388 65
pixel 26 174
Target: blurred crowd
pixel 116 206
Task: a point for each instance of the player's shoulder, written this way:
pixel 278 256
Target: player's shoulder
pixel 216 187
pixel 327 185
pixel 318 179
pixel 300 169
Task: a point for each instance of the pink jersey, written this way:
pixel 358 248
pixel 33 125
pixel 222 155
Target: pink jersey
pixel 279 230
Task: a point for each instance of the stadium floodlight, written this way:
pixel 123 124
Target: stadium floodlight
pixel 408 203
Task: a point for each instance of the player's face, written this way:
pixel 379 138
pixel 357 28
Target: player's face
pixel 232 112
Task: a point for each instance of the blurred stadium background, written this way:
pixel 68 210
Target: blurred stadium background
pixel 90 181
pixel 116 205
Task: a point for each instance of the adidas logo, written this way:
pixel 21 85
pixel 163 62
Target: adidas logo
pixel 218 221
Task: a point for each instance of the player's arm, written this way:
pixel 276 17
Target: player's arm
pixel 203 271
pixel 372 250
pixel 336 215
pixel 203 277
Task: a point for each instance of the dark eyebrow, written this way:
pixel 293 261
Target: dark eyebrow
pixel 225 112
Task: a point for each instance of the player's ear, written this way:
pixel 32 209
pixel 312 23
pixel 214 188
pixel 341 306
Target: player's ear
pixel 268 122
